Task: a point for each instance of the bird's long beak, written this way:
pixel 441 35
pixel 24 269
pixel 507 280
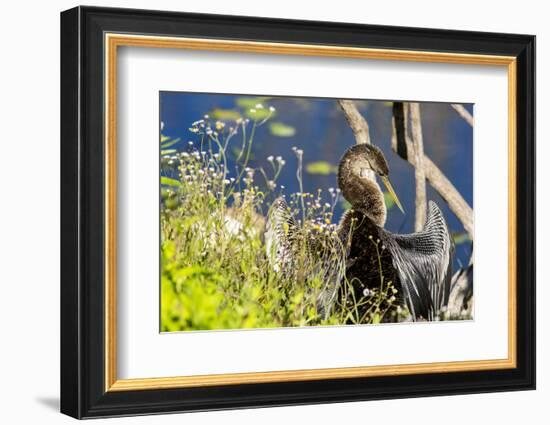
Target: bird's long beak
pixel 388 185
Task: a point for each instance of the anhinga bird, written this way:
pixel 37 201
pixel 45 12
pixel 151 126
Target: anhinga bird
pixel 418 264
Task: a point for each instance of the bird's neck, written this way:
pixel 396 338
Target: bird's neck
pixel 364 195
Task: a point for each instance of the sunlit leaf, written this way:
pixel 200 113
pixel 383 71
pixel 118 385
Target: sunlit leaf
pixel 281 130
pixel 345 204
pixel 257 114
pixel 323 168
pixel 225 114
pixel 171 203
pixel 389 200
pixel 169 182
pixel 460 238
pixel 168 143
pixel 164 138
pixel 250 101
pixel 167 151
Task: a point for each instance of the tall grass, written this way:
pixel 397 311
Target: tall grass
pixel 216 271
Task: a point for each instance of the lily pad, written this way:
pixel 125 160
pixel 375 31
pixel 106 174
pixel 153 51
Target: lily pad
pixel 323 168
pixel 225 114
pixel 281 130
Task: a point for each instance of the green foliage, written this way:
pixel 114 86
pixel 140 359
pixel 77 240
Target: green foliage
pixel 248 102
pixel 280 129
pixel 321 167
pixel 216 271
pixel 389 200
pixel 345 204
pixel 169 182
pixel 257 114
pixel 168 151
pixel 460 238
pixel 193 298
pixel 166 142
pixel 225 114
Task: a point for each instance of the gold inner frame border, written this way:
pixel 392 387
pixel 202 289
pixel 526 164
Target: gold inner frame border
pixel 113 40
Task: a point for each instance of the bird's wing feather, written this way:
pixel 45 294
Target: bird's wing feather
pixel 423 262
pixel 325 258
pixel 279 236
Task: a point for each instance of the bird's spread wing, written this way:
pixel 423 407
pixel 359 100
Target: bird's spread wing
pixel 324 258
pixel 279 236
pixel 423 263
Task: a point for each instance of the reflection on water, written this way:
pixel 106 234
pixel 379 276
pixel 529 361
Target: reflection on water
pixel 323 133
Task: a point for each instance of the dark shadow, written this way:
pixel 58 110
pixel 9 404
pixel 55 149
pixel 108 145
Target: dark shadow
pixel 49 402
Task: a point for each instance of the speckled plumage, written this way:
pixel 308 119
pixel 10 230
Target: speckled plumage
pixel 282 247
pixel 357 183
pixel 418 264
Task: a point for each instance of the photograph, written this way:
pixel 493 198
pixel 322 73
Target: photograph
pixel 294 211
pixel 289 210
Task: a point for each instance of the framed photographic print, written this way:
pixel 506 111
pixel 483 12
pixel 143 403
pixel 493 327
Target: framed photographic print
pixel 261 212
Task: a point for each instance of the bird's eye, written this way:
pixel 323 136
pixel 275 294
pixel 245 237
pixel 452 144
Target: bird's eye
pixel 364 172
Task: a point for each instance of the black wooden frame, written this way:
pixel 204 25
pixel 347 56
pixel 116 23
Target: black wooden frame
pixel 82 212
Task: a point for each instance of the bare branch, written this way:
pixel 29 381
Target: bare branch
pixel 356 121
pixel 463 112
pixel 420 176
pixel 403 146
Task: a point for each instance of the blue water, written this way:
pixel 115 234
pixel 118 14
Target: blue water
pixel 323 134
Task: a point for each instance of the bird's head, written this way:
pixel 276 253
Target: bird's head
pixel 362 160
